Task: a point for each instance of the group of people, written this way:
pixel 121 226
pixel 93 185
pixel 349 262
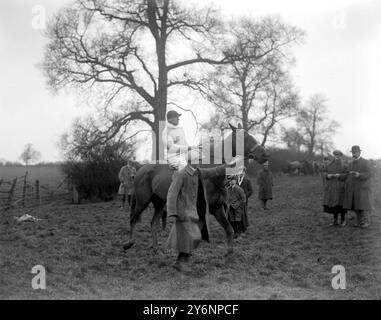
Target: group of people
pixel 183 193
pixel 347 188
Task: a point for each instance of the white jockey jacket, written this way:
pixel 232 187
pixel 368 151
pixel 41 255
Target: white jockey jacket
pixel 175 144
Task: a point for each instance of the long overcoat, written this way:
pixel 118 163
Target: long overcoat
pixel 265 182
pixel 358 190
pixel 187 201
pixel 334 187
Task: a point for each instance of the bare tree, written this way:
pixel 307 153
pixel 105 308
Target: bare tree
pixel 138 53
pixel 257 93
pixel 30 154
pixel 314 124
pixel 293 139
pixel 80 144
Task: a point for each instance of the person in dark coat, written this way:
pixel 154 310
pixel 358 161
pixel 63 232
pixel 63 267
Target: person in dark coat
pixel 265 182
pixel 245 184
pixel 358 187
pixel 334 188
pixel 182 206
pixel 236 203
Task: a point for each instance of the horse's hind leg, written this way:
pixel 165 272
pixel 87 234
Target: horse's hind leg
pixel 220 215
pixel 138 205
pixel 159 205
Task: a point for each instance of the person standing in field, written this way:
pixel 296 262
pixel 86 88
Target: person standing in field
pixel 358 187
pixel 126 177
pixel 245 184
pixel 265 183
pixel 236 207
pixel 334 189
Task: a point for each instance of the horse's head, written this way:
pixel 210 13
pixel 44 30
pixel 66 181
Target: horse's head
pixel 252 150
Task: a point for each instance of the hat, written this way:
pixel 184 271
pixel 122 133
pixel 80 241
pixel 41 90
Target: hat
pixel 337 153
pixel 355 149
pixel 172 114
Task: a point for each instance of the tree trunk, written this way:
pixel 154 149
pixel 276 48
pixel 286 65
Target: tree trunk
pixel 245 121
pixel 160 107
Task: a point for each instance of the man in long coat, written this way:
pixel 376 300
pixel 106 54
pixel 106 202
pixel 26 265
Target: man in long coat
pixel 358 187
pixel 265 182
pixel 184 199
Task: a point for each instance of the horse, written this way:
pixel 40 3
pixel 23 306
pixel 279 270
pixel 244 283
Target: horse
pixel 152 182
pixel 293 167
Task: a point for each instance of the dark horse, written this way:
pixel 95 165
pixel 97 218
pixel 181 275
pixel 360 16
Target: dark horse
pixel 152 182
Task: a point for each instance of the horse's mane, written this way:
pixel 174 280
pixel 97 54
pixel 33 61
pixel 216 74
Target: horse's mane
pixel 223 150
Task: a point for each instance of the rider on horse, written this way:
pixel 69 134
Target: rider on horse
pixel 174 141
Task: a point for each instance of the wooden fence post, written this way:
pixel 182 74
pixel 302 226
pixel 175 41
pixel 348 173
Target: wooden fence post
pixel 38 192
pixel 11 192
pixel 24 190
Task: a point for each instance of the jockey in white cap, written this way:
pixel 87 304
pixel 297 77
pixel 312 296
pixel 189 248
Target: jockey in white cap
pixel 174 141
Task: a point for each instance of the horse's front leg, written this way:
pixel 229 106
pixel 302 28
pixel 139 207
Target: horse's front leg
pixel 220 215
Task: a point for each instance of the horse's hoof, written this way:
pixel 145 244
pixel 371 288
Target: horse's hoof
pixel 128 245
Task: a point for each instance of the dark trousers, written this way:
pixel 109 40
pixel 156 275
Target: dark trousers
pixel 362 217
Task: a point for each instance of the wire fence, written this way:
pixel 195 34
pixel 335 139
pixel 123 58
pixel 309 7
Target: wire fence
pixel 22 192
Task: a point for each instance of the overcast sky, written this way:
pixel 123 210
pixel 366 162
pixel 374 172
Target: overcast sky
pixel 340 58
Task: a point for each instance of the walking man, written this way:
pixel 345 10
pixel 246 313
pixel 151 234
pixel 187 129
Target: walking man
pixel 184 201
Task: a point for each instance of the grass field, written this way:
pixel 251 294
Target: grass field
pixel 50 175
pixel 288 254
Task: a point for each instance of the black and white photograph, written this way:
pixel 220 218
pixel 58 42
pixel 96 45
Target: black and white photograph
pixel 209 151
